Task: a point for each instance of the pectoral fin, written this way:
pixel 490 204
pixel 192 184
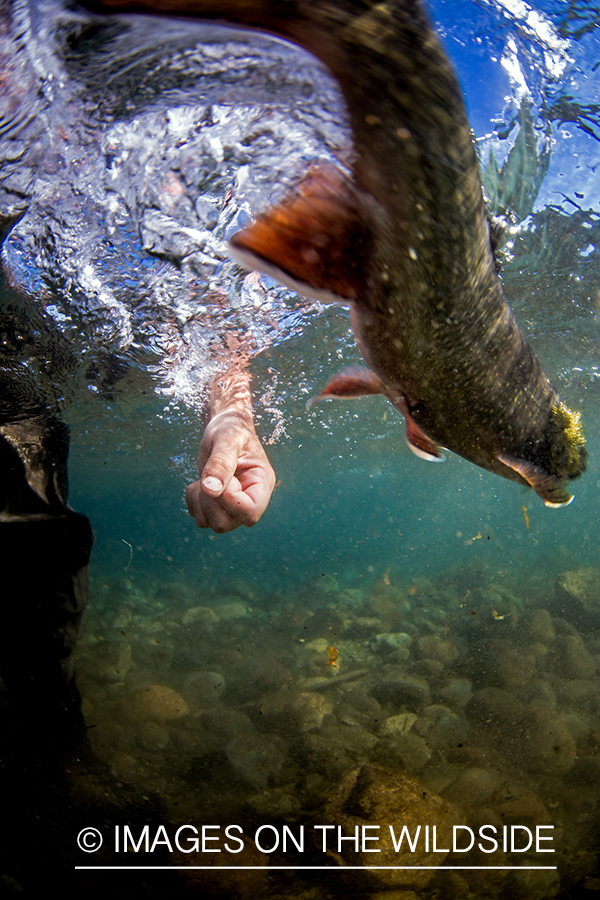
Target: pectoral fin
pixel 421 445
pixel 551 489
pixel 355 381
pixel 317 241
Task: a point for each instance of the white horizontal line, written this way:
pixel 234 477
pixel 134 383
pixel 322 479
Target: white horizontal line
pixel 320 868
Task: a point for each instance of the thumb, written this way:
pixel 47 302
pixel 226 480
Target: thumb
pixel 219 469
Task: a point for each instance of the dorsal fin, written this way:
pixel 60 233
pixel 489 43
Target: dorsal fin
pixel 317 240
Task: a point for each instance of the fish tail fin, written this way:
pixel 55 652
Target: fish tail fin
pixel 304 240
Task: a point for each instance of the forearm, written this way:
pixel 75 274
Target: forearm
pixel 230 394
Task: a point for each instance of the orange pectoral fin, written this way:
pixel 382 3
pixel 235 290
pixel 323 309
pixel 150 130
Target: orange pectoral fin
pixel 551 489
pixel 317 240
pixel 355 381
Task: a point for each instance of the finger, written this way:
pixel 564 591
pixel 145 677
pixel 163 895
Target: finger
pixel 208 512
pixel 220 466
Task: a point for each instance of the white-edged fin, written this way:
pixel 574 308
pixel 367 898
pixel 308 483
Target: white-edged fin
pixel 551 489
pixel 422 453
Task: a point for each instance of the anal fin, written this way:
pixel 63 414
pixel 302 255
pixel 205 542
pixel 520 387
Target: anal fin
pixel 551 489
pixel 317 241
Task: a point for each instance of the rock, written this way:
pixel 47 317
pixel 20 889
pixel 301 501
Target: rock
pixel 315 753
pixel 442 728
pixel 220 882
pixel 574 661
pixel 545 745
pixel 401 690
pixel 203 688
pixel 524 884
pixel 363 627
pixel 254 758
pixel 522 807
pixel 456 691
pixel 515 667
pixel 396 642
pixel 200 617
pixel 155 702
pixel 377 796
pixel 399 724
pixel 432 647
pixel 578 594
pixel 107 661
pixel 494 709
pixel 293 711
pixel 576 726
pixel 579 692
pixel 324 623
pixel 541 627
pixel 475 787
pixel 408 752
pixel 153 736
pixel 231 608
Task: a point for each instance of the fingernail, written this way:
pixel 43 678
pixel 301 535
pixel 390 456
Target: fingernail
pixel 213 484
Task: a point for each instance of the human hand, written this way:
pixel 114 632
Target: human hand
pixel 236 477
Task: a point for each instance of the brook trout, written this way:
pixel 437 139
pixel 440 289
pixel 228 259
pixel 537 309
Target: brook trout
pixel 403 238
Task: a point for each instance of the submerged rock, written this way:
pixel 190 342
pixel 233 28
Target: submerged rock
pixel 156 702
pixel 401 690
pixel 254 758
pixel 578 593
pixel 381 798
pixel 107 661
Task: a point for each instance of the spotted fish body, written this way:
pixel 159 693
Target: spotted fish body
pixel 403 238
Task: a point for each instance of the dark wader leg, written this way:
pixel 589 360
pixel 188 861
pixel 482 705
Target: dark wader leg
pixel 44 555
pixel 51 783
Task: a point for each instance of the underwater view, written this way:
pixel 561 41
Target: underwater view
pixel 389 687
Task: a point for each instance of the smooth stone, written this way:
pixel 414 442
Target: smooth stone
pixel 546 744
pixel 201 616
pixel 579 592
pixel 394 642
pixel 255 758
pixel 231 608
pixel 433 647
pixel 442 728
pixel 475 787
pixel 456 691
pixel 401 690
pixel 203 687
pixel 574 660
pixel 156 702
pixel 107 661
pixel 399 724
pixel 405 751
pixel 541 627
pixel 153 736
